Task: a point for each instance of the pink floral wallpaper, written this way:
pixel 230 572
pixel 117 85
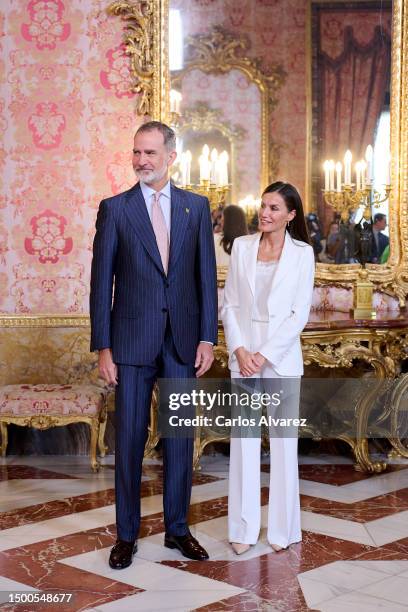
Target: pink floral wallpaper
pixel 67 121
pixel 66 124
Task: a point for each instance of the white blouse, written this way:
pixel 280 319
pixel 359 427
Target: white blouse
pixel 222 258
pixel 265 272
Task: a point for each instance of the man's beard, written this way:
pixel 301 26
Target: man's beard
pixel 151 176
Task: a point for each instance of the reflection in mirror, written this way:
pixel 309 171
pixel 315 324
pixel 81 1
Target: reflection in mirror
pixel 351 66
pixel 227 107
pixel 220 104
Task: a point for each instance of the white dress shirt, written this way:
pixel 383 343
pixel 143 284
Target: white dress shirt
pixel 165 202
pixel 265 272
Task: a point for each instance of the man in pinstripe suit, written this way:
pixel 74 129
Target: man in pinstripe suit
pixel 154 244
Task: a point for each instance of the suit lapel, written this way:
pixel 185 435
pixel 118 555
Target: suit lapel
pixel 250 261
pixel 179 222
pixel 286 261
pixel 138 217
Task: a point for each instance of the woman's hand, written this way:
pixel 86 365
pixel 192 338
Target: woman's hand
pixel 246 361
pixel 260 360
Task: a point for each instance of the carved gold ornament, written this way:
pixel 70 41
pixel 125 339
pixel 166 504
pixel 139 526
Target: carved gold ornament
pixel 203 118
pixel 144 40
pixel 219 52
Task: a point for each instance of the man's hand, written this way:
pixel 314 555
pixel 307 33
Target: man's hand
pixel 107 369
pixel 249 363
pixel 204 358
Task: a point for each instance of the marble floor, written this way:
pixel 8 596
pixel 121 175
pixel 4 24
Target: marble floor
pixel 57 527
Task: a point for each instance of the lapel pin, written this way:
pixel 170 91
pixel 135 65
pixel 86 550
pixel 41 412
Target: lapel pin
pixel 187 210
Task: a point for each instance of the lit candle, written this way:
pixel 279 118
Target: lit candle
pixel 188 158
pixel 369 160
pixel 217 171
pixel 332 168
pixel 224 168
pixel 214 157
pixel 358 175
pixel 347 167
pixel 175 100
pixel 363 167
pixel 204 164
pixel 326 167
pixel 339 168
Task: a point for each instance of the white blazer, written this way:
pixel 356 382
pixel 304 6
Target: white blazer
pixel 288 304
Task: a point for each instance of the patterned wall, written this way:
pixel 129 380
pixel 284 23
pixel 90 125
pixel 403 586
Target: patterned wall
pixel 66 121
pixel 66 124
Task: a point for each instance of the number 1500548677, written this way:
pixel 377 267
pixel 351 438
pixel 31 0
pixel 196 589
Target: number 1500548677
pixel 21 597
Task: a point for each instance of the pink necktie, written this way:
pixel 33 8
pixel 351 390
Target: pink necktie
pixel 160 230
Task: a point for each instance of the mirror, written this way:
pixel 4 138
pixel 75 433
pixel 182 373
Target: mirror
pixel 220 102
pixel 350 118
pixel 274 44
pixel 229 122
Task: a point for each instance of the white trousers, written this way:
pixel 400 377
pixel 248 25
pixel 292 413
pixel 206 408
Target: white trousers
pixel 244 499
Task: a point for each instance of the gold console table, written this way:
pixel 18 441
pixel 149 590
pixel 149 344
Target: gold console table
pixel 35 347
pixel 336 340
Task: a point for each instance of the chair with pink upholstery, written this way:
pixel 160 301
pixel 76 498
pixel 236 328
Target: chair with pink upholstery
pixel 48 378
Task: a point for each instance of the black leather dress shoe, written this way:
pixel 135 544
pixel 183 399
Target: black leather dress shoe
pixel 187 545
pixel 121 555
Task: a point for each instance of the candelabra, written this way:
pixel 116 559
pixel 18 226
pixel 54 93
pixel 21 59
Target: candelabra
pixel 216 194
pixel 346 200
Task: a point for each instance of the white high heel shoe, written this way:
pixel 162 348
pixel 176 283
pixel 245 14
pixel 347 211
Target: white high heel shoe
pixel 277 548
pixel 240 549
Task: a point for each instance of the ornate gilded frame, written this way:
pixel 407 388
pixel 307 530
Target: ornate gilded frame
pixel 392 277
pixel 219 52
pixel 145 39
pixel 202 118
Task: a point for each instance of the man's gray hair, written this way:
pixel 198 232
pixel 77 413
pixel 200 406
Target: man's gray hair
pixel 169 135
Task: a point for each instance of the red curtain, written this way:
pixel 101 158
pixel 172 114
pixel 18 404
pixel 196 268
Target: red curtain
pixel 352 91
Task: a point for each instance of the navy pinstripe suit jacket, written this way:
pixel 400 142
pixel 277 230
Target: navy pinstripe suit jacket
pixel 125 255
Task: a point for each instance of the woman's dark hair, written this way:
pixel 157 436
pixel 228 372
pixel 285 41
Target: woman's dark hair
pixel 297 227
pixel 235 225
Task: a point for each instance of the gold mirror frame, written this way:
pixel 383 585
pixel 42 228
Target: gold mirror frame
pixel 202 118
pixel 146 41
pixel 392 277
pixel 220 52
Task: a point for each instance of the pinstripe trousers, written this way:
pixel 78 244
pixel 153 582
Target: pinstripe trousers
pixel 133 399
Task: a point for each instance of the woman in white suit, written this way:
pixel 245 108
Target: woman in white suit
pixel 267 299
